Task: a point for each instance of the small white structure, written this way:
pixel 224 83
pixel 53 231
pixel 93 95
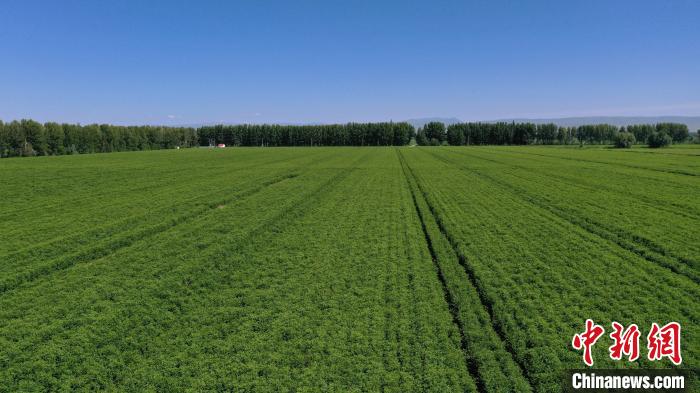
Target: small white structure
pixel 221 145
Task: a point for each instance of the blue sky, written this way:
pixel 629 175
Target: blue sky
pixel 171 62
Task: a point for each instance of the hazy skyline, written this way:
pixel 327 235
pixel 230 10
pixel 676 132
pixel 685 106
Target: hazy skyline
pixel 297 62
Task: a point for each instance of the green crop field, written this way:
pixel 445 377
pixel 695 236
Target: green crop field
pixel 340 269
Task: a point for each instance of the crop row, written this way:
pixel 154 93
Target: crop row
pixel 120 281
pixel 490 362
pixel 671 192
pixel 664 163
pixel 657 234
pixel 141 209
pixel 297 287
pixel 542 276
pixel 367 269
pixel 124 195
pixel 28 264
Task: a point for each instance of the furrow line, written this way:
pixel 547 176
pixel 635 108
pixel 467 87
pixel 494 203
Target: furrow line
pixel 652 249
pixel 451 304
pixel 126 223
pixel 293 210
pixel 480 314
pixel 659 205
pixel 675 172
pixel 625 240
pixel 166 190
pixel 113 245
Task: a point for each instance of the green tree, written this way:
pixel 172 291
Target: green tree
pixel 34 138
pixel 523 133
pixel 624 140
pixel 677 131
pixel 89 139
pixel 561 135
pixel 54 138
pixel 421 139
pixel 455 135
pixel 641 131
pixel 546 133
pixel 435 130
pixel 4 140
pixel 659 139
pixel 14 136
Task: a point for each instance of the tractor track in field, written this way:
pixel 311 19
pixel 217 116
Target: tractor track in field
pixel 52 241
pixel 659 152
pixel 659 204
pixel 451 304
pixel 471 276
pixel 635 244
pixel 111 228
pixel 676 172
pixel 111 247
pixel 300 209
pixel 284 217
pixel 273 224
pixel 97 193
pixel 114 245
pixel 78 200
pixel 625 235
pixel 115 228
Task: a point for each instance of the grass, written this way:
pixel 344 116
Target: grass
pixel 339 269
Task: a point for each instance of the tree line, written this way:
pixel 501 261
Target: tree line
pixel 31 138
pixel 350 134
pixel 511 133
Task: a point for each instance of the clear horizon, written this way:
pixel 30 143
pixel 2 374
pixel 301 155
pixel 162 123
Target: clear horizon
pixel 312 62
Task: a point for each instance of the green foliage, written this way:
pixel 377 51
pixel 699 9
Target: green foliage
pixel 552 236
pixel 455 136
pixel 596 134
pixel 678 132
pixel 336 269
pixel 435 132
pixel 54 138
pixel 641 131
pixel 210 270
pixel 34 138
pixel 546 134
pixel 421 139
pixel 624 140
pixel 4 141
pixel 502 133
pixel 351 134
pixel 659 139
pixel 30 138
